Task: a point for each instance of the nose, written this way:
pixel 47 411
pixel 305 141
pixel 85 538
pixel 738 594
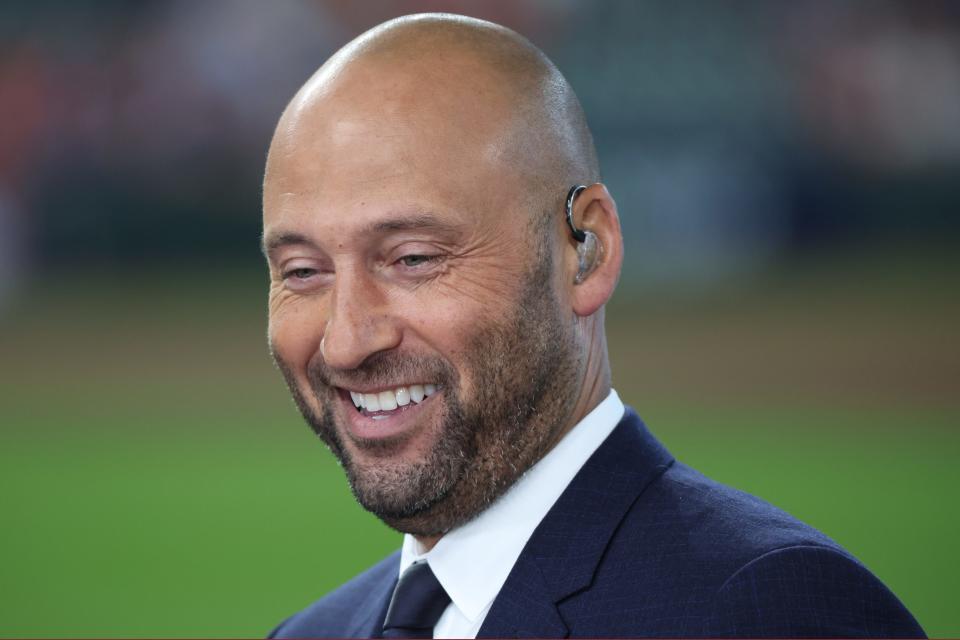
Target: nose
pixel 360 323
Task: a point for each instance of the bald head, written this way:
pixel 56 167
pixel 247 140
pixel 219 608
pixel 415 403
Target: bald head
pixel 464 81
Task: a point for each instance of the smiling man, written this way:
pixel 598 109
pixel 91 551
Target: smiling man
pixel 436 308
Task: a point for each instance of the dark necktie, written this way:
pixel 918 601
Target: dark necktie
pixel 417 603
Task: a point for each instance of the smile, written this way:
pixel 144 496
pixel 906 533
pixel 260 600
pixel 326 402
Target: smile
pixel 390 399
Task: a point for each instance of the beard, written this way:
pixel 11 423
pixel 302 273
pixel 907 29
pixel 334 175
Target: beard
pixel 523 371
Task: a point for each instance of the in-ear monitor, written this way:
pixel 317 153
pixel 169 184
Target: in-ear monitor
pixel 589 247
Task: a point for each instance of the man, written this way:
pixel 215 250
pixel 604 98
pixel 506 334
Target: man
pixel 436 307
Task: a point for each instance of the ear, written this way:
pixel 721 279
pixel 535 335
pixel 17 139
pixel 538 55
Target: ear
pixel 594 210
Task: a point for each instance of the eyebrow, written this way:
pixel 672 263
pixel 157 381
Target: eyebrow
pixel 422 220
pixel 273 241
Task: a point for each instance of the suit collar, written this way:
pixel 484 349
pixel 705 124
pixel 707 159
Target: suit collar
pixel 562 555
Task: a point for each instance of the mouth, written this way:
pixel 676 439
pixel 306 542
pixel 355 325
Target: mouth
pixel 386 414
pixel 380 404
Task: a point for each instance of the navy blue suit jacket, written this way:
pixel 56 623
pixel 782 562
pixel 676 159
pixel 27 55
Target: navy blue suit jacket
pixel 641 545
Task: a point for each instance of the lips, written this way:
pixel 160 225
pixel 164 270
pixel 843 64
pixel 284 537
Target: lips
pixel 390 415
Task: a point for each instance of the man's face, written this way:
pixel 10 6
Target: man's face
pixel 406 278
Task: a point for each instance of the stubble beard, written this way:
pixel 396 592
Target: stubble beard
pixel 524 374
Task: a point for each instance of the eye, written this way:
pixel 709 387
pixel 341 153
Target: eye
pixel 301 273
pixel 416 260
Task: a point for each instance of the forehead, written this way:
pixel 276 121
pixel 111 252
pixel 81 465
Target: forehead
pixel 382 140
pixel 358 177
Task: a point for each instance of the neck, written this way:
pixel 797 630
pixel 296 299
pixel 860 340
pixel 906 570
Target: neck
pixel 428 542
pixel 596 376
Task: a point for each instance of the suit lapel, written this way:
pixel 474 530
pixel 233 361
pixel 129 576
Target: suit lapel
pixel 563 553
pixel 524 608
pixel 367 619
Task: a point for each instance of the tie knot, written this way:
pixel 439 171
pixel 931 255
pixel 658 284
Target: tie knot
pixel 418 602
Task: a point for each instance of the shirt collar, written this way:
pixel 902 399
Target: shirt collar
pixel 473 561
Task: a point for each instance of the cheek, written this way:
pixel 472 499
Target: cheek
pixel 450 327
pixel 449 309
pixel 443 322
pixel 294 336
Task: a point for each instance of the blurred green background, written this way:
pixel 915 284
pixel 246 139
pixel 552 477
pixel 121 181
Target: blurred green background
pixel 786 323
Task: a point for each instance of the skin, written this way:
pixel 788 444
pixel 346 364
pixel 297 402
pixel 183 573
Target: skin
pixel 414 232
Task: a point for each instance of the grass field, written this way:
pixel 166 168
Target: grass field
pixel 157 481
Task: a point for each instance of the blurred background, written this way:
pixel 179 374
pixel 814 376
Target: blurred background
pixel 788 176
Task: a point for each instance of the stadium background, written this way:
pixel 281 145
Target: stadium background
pixel 787 321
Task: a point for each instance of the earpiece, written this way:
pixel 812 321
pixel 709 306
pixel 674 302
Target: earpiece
pixel 588 255
pixel 590 248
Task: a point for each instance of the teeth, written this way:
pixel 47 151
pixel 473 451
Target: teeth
pixel 416 393
pixel 390 400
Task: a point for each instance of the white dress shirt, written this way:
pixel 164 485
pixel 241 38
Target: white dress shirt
pixel 473 561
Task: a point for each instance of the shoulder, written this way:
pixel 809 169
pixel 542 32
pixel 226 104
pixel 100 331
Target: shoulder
pixel 690 531
pixel 716 561
pixel 720 518
pixel 809 591
pixel 345 608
